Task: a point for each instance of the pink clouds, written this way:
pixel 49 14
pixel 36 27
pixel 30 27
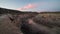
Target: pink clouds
pixel 29 6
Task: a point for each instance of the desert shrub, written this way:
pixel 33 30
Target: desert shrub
pixel 6 27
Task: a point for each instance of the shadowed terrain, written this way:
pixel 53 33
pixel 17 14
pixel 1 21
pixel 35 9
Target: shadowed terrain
pixel 18 22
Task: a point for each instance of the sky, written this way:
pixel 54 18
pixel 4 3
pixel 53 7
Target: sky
pixel 31 5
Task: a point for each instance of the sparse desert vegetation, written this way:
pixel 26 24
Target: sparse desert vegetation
pixel 29 22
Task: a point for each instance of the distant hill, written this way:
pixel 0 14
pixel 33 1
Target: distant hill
pixel 10 11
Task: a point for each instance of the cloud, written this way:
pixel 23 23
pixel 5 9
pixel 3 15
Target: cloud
pixel 29 6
